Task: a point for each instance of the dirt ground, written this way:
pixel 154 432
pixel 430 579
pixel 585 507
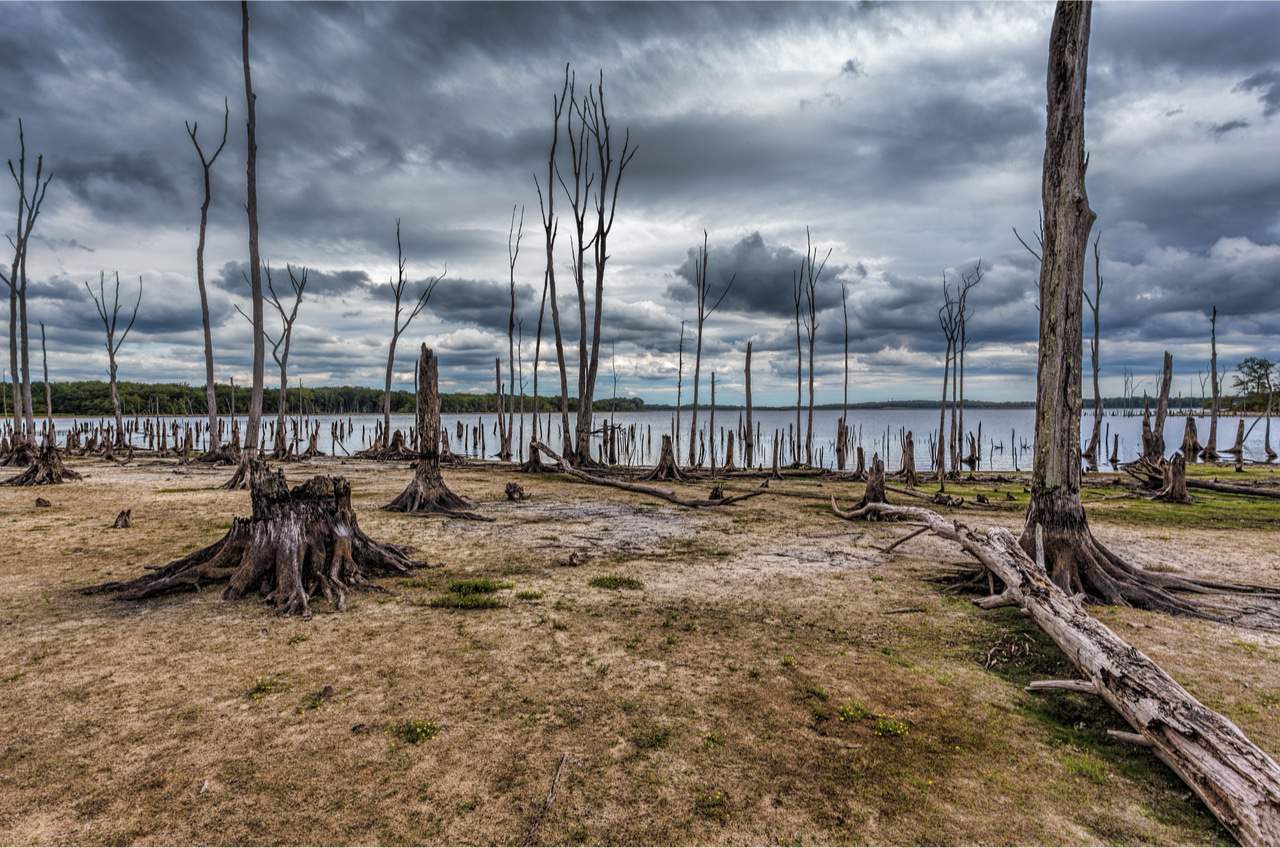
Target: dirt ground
pixel 769 677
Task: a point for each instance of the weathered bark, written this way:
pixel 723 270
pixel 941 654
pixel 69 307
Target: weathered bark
pixel 1190 440
pixel 1155 449
pixel 1236 780
pixel 298 543
pixel 874 492
pixel 243 475
pixel 1237 447
pixel 1210 451
pixel 908 470
pixel 427 493
pixel 46 470
pixel 667 468
pixel 1095 306
pixel 1175 481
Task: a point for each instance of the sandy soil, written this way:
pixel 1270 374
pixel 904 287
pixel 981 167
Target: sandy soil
pixel 775 679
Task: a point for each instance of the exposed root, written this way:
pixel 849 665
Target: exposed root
pixel 46 470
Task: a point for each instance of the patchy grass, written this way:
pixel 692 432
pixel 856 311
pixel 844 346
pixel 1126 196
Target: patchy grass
pixel 886 726
pixel 477 586
pixel 712 805
pixel 650 736
pixel 415 731
pixel 264 686
pixel 529 595
pixel 465 601
pixel 616 582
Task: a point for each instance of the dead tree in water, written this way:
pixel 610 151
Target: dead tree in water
pixel 110 316
pixel 514 234
pixel 702 292
pixel 280 346
pixel 206 166
pixel 397 285
pixel 427 492
pixel 242 477
pixel 810 276
pixel 1153 447
pixel 797 295
pixel 842 426
pixel 947 320
pixel 1095 307
pixel 675 430
pixel 968 281
pixel 551 227
pixel 298 543
pixel 29 206
pixel 1210 451
pixel 606 174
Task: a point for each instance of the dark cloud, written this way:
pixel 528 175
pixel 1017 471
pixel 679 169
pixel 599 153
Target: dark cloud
pixel 1267 85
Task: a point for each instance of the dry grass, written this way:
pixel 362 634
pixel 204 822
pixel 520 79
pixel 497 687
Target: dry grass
pixel 752 690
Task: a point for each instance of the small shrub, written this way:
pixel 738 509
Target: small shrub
pixel 477 586
pixel 713 740
pixel 788 661
pixel 653 736
pixel 886 726
pixel 528 595
pixel 852 711
pixel 616 581
pixel 453 600
pixel 413 732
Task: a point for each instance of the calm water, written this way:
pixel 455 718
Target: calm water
pixel 1006 433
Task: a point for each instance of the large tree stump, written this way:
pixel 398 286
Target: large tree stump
pixel 297 543
pixel 874 493
pixel 666 469
pixel 908 470
pixel 46 470
pixel 1175 481
pixel 427 493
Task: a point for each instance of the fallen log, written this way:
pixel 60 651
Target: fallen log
pixel 652 491
pixel 1236 780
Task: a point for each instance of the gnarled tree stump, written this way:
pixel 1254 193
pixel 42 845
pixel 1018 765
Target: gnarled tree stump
pixel 46 470
pixel 296 544
pixel 1175 481
pixel 666 468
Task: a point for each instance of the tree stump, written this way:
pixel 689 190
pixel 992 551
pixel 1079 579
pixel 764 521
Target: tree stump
pixel 46 469
pixel 1190 440
pixel 532 465
pixel 296 544
pixel 875 483
pixel 516 492
pixel 1175 481
pixel 427 493
pixel 124 520
pixel 908 471
pixel 666 469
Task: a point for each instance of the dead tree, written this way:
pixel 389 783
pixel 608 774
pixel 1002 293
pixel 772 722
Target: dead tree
pixel 1077 562
pixel 48 389
pixel 280 345
pixel 968 281
pixel 667 467
pixel 29 206
pixel 110 315
pixel 749 434
pixel 797 296
pixel 46 469
pixel 1095 307
pixel 606 175
pixel 249 453
pixel 513 253
pixel 1236 780
pixel 427 493
pixel 551 227
pixel 1154 448
pixel 947 320
pixel 1210 451
pixel 206 166
pixel 297 543
pixel 419 302
pixel 810 276
pixel 702 292
pixel 842 426
pixel 1190 440
pixel 1175 481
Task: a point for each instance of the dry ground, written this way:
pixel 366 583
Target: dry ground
pixel 774 679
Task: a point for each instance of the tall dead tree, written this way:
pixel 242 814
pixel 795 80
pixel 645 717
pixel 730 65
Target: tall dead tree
pixel 606 174
pixel 1095 307
pixel 968 281
pixel 206 166
pixel 1154 449
pixel 280 346
pixel 842 426
pixel 810 276
pixel 1075 560
pixel 947 320
pixel 702 293
pixel 110 315
pixel 749 434
pixel 514 234
pixel 551 227
pixel 29 205
pixel 1210 451
pixel 679 388
pixel 398 283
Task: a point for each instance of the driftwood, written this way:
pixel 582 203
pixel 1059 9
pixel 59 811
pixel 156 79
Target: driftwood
pixel 1236 780
pixel 651 491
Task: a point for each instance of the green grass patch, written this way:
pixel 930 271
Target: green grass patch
pixel 454 600
pixel 1087 766
pixel 528 595
pixel 852 711
pixel 616 582
pixel 477 586
pixel 650 737
pixel 415 731
pixel 712 805
pixel 885 726
pixel 264 686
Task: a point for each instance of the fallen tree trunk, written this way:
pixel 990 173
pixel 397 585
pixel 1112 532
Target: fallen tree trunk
pixel 297 543
pixel 652 491
pixel 1236 780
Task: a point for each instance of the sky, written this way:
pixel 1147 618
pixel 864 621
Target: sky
pixel 906 139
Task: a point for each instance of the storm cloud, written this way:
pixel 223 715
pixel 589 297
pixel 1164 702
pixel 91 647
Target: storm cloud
pixel 905 138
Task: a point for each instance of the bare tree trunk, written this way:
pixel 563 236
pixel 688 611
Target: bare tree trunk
pixel 679 389
pixel 255 264
pixel 1156 447
pixel 1210 452
pixel 1095 306
pixel 206 165
pixel 748 436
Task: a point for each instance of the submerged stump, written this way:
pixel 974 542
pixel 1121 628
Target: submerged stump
pixel 297 543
